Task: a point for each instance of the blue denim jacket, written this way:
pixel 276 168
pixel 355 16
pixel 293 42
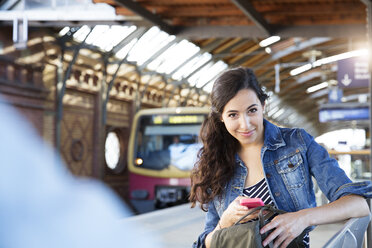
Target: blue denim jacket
pixel 290 157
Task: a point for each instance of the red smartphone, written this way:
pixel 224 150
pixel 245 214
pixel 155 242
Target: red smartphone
pixel 251 202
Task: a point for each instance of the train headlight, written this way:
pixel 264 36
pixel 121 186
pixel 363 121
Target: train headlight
pixel 138 161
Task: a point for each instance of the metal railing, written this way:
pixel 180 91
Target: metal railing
pixel 351 235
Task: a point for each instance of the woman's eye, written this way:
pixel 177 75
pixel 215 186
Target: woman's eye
pixel 232 115
pixel 253 110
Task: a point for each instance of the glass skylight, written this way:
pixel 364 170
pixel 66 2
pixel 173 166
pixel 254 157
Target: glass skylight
pixel 82 33
pixel 151 42
pixel 103 36
pixel 107 37
pixel 208 73
pixel 125 50
pixel 207 82
pixel 197 77
pixel 182 60
pixel 98 36
pixel 64 31
pixel 174 57
pixel 192 66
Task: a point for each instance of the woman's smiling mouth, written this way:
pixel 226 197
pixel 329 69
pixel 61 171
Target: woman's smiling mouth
pixel 246 133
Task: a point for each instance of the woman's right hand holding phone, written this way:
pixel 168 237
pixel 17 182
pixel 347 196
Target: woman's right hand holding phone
pixel 234 212
pixel 230 216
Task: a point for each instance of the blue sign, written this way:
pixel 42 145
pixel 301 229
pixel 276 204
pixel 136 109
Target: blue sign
pixel 353 72
pixel 344 114
pixel 335 95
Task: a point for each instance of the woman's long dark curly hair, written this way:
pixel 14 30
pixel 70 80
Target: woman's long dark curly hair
pixel 216 159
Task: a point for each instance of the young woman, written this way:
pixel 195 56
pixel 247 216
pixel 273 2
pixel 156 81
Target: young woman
pixel 244 155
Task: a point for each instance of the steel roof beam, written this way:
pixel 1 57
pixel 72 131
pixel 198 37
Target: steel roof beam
pixel 135 34
pixel 153 19
pixel 247 8
pixel 334 31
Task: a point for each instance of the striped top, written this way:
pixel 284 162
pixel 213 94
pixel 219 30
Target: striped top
pixel 260 190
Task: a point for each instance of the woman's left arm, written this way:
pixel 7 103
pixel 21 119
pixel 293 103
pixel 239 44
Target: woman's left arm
pixel 290 225
pixel 331 179
pixel 347 198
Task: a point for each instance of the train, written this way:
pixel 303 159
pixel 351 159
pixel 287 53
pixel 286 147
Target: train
pixel 162 150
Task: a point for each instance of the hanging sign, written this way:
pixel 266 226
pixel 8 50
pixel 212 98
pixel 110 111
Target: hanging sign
pixel 353 72
pixel 335 95
pixel 340 114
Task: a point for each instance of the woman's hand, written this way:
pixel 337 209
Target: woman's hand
pixel 234 212
pixel 286 227
pixel 230 216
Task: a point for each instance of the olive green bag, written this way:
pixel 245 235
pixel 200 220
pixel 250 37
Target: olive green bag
pixel 248 234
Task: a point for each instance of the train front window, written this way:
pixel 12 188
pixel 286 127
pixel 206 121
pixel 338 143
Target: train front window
pixel 164 140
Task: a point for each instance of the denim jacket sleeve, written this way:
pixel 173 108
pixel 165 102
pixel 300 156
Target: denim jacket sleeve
pixel 211 220
pixel 331 179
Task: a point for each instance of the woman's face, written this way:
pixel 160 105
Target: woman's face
pixel 243 117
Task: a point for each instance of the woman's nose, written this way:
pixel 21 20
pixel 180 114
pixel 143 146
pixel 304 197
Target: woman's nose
pixel 245 122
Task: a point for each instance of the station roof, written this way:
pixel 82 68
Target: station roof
pixel 189 42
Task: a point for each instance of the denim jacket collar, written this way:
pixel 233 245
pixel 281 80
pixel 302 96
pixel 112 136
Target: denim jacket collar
pixel 273 137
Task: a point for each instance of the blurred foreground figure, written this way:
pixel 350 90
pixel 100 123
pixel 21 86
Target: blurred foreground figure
pixel 43 205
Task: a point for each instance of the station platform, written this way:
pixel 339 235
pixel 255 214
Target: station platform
pixel 180 226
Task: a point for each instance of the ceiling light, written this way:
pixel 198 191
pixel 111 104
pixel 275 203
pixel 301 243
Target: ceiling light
pixel 300 69
pixel 319 93
pixel 354 97
pixel 269 41
pixel 355 53
pixel 341 56
pixel 268 50
pixel 317 87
